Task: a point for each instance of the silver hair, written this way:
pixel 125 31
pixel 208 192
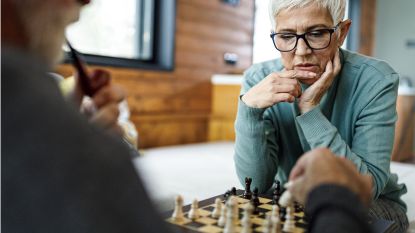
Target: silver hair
pixel 336 8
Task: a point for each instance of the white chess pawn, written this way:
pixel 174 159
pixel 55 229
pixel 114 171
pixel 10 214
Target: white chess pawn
pixel 246 221
pixel 178 209
pixel 230 225
pixel 275 219
pixel 289 224
pixel 194 211
pixel 217 209
pixel 248 209
pixel 233 206
pixel 266 228
pixel 286 199
pixel 222 218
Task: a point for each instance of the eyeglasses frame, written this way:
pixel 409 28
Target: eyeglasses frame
pixel 302 36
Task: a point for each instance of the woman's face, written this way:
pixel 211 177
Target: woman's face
pixel 299 21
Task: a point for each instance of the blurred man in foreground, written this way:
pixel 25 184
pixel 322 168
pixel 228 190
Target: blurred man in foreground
pixel 335 194
pixel 59 173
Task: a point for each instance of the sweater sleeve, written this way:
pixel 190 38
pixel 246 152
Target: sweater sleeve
pixel 373 132
pixel 330 210
pixel 256 149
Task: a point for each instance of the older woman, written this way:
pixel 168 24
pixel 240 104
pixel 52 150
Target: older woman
pixel 318 95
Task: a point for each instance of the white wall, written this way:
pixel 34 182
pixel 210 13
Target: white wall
pixel 395 25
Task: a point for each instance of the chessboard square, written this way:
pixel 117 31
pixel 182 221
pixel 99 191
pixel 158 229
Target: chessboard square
pixel 266 206
pixel 194 224
pixel 210 229
pixel 299 214
pixel 264 200
pixel 204 213
pixel 206 221
pixel 255 225
pixel 242 200
pixel 209 208
pixel 181 222
pixel 258 221
pixel 259 229
pixel 262 211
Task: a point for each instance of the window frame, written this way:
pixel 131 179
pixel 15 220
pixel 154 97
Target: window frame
pixel 163 43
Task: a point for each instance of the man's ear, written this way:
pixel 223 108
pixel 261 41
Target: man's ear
pixel 344 30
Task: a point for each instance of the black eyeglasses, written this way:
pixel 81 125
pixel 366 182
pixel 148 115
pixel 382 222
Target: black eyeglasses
pixel 316 39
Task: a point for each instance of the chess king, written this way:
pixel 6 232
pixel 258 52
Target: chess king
pixel 318 95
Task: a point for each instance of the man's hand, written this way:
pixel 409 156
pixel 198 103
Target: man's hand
pixel 104 110
pixel 312 96
pixel 106 101
pixel 321 166
pixel 276 88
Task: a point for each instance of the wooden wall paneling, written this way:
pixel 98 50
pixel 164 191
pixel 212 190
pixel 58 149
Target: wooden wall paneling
pixel 367 27
pixel 174 107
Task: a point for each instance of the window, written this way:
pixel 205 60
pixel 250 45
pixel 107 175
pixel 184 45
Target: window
pixel 131 33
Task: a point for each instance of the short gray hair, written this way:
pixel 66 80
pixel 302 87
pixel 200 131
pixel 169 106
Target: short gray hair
pixel 336 8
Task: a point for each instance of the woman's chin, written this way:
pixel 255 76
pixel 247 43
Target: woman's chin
pixel 308 81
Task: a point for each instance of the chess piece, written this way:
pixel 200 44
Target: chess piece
pixel 266 228
pixel 246 221
pixel 194 211
pixel 275 219
pixel 248 209
pixel 217 209
pixel 231 219
pixel 278 186
pixel 233 191
pixel 246 224
pixel 289 224
pixel 247 194
pixel 178 209
pixel 235 209
pixel 276 194
pixel 227 195
pixel 286 199
pixel 255 201
pixel 222 218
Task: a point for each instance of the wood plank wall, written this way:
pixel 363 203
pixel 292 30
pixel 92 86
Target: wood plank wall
pixel 170 108
pixel 367 27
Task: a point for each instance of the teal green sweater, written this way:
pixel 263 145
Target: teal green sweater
pixel 355 119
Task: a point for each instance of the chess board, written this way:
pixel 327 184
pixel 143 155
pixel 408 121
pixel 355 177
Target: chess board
pixel 206 223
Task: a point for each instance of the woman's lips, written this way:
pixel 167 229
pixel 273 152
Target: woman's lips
pixel 307 67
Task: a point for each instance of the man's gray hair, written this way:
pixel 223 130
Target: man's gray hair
pixel 336 8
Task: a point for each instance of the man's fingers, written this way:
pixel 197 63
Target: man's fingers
pixel 296 188
pixel 106 116
pixel 299 168
pixel 108 94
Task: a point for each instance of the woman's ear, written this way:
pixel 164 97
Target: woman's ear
pixel 344 30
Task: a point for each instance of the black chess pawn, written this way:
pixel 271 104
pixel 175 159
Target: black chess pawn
pixel 275 197
pixel 247 194
pixel 278 186
pixel 233 191
pixel 227 195
pixel 255 201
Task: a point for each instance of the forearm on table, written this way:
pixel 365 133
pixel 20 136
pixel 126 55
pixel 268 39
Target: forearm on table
pixel 255 156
